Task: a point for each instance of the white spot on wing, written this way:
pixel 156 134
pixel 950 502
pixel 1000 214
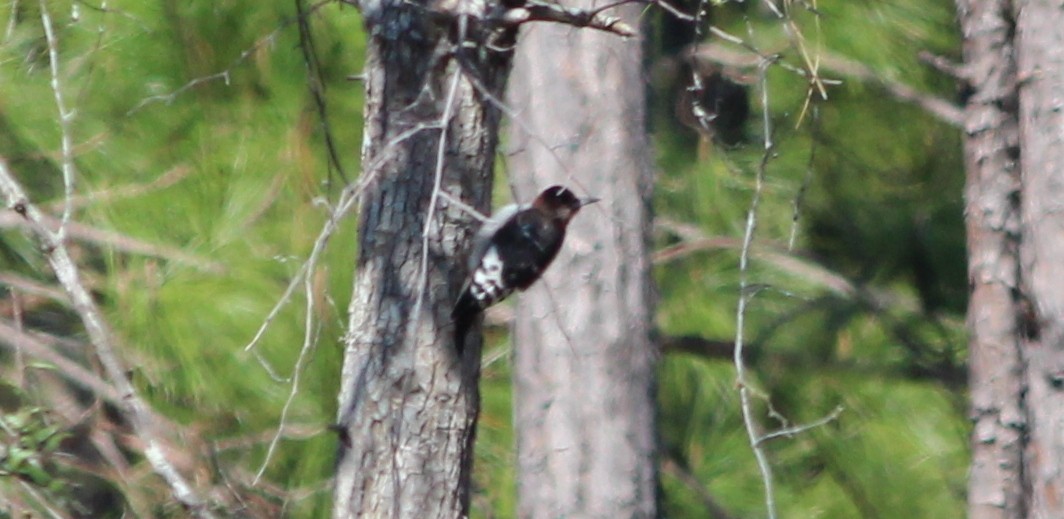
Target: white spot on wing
pixel 487 286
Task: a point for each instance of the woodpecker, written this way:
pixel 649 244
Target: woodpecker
pixel 511 251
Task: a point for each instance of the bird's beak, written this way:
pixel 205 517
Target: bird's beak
pixel 589 201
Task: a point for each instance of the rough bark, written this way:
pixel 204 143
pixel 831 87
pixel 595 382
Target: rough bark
pixel 408 404
pixel 1040 74
pixel 996 481
pixel 584 364
pixel 1015 128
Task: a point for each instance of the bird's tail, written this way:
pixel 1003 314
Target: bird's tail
pixel 465 312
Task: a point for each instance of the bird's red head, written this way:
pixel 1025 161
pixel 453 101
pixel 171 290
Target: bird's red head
pixel 560 202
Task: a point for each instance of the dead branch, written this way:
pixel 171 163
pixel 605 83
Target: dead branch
pixel 171 177
pixel 89 234
pixel 538 11
pixel 316 85
pixel 937 107
pixel 775 254
pixel 32 287
pixel 65 118
pixel 45 352
pixel 792 431
pixel 226 74
pixel 753 427
pixel 137 411
pixel 944 65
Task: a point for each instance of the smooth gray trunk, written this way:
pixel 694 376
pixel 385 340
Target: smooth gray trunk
pixel 584 364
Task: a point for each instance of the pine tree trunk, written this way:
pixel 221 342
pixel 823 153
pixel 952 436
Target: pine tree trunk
pixel 995 488
pixel 584 363
pixel 408 403
pixel 1014 53
pixel 1040 67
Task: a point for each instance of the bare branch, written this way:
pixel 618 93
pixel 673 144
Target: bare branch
pixel 776 254
pixel 102 237
pixel 65 118
pixel 790 432
pixel 437 182
pixel 12 20
pixel 752 427
pixel 102 339
pixel 226 74
pixel 539 11
pixel 513 115
pixel 317 86
pixel 673 10
pixel 937 107
pixel 167 179
pixel 944 65
pixel 799 197
pixel 32 287
pixel 468 209
pixel 44 351
pixel 348 200
pixel 941 109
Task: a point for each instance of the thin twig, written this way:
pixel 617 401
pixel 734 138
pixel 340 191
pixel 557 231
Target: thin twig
pixel 437 183
pixel 348 200
pixel 20 360
pixel 316 85
pixel 297 278
pixel 310 340
pixel 673 10
pixel 167 179
pixel 752 427
pixel 774 8
pixel 799 197
pixel 697 89
pixel 33 287
pixel 515 117
pixel 777 255
pixel 42 351
pixel 790 432
pixel 944 65
pixel 226 74
pixel 87 233
pixel 466 208
pixel 65 118
pixel 937 107
pixel 42 501
pixel 12 20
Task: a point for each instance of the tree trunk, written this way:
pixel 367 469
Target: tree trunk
pixel 1015 167
pixel 995 487
pixel 1040 67
pixel 584 363
pixel 408 404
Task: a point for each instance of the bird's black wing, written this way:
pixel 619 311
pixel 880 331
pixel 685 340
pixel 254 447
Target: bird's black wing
pixel 526 246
